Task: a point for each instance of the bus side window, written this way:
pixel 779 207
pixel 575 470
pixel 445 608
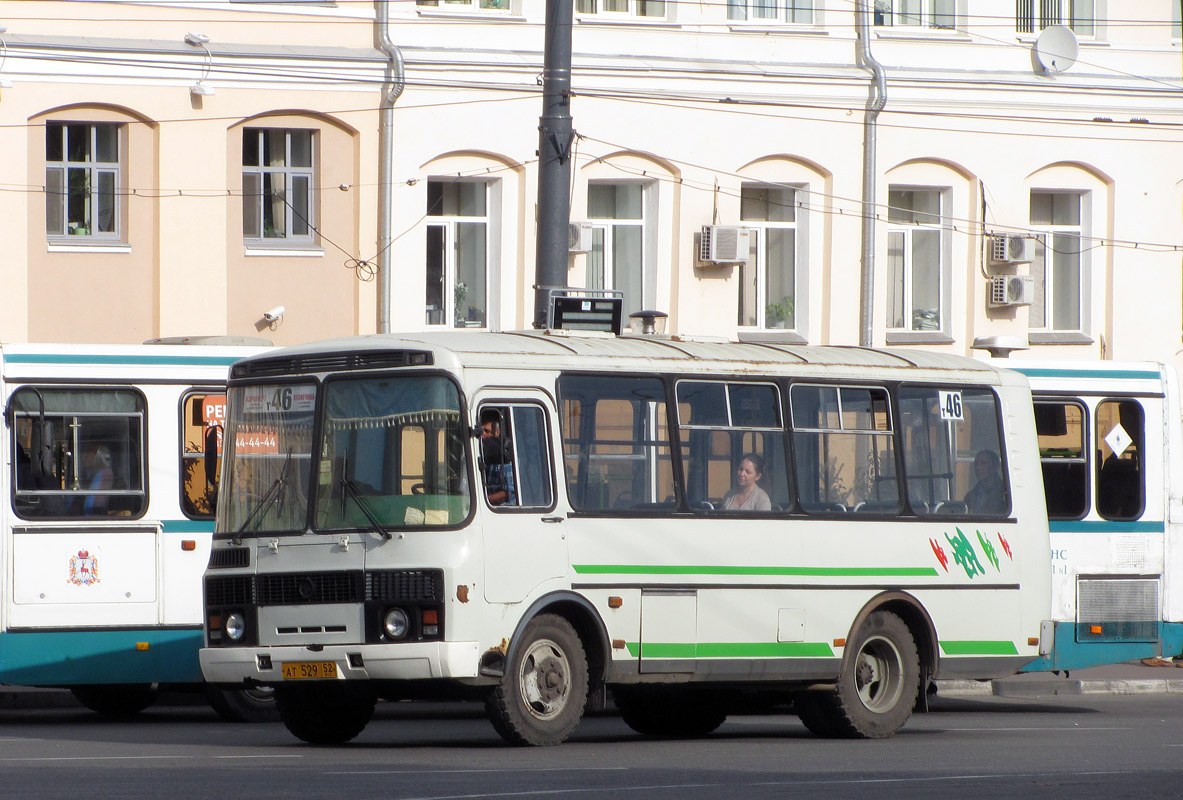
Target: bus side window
pixel 1121 490
pixel 202 417
pixel 515 457
pixel 1059 425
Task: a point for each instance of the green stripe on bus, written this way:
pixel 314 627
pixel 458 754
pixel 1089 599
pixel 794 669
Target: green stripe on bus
pixel 979 648
pixel 82 358
pixel 1109 374
pixel 731 649
pixel 1104 526
pixel 826 572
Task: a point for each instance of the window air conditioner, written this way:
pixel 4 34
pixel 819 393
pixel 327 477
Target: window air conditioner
pixel 579 237
pixel 1011 290
pixel 1011 248
pixel 723 244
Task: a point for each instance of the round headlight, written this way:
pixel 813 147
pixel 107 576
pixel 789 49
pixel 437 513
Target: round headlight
pixel 396 623
pixel 235 626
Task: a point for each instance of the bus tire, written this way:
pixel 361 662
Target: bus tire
pixel 880 678
pixel 254 704
pixel 817 712
pixel 654 712
pixel 116 700
pixel 325 712
pixel 540 699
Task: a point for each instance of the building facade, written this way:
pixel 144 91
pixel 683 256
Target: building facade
pixel 178 168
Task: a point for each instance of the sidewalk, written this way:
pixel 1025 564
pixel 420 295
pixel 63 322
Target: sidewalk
pixel 1131 677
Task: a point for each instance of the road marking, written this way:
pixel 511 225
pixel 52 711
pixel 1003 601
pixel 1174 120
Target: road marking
pixel 477 771
pixel 135 758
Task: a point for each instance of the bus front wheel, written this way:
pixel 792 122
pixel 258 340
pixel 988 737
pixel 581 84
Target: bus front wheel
pixel 328 712
pixel 877 688
pixel 541 698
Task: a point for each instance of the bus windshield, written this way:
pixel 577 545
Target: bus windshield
pixel 393 455
pixel 268 439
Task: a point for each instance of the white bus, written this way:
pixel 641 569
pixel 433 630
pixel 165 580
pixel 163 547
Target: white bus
pixel 1111 446
pixel 110 474
pixel 541 518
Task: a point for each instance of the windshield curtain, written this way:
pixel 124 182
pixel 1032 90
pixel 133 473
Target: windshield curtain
pixel 393 454
pixel 268 445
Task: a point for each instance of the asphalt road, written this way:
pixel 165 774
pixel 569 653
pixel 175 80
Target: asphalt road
pixel 1079 747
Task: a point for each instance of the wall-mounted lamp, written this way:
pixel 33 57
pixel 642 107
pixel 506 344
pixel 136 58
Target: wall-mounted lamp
pixel 200 89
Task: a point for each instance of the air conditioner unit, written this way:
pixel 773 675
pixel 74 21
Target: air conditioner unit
pixel 1011 248
pixel 1011 290
pixel 579 237
pixel 723 244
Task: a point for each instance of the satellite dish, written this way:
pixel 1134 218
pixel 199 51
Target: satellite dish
pixel 1056 48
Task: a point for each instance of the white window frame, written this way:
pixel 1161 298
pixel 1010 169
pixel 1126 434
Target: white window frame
pixel 625 9
pixel 1082 16
pixel 788 12
pixel 756 269
pixel 97 172
pixel 1046 289
pixel 453 292
pixel 254 199
pixel 603 247
pixel 916 14
pixel 464 6
pixel 907 231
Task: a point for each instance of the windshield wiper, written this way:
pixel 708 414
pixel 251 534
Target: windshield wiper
pixel 272 494
pixel 351 489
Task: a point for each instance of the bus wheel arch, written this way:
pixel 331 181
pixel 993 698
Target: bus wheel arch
pixel 914 615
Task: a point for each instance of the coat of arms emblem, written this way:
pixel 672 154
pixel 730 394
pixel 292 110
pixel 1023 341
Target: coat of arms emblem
pixel 84 569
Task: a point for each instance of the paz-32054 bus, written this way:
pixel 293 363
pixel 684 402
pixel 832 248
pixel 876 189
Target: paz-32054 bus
pixel 543 518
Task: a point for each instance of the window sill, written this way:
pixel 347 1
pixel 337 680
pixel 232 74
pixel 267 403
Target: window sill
pixel 487 14
pixel 94 247
pixel 921 34
pixel 763 26
pixel 658 22
pixel 1059 337
pixel 282 252
pixel 772 336
pixel 918 337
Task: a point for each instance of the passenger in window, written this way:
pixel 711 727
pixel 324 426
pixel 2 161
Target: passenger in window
pixel 498 469
pixel 100 478
pixel 988 495
pixel 747 495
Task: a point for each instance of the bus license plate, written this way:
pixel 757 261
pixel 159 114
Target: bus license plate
pixel 308 670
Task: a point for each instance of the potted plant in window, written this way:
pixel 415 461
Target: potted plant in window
pixel 779 315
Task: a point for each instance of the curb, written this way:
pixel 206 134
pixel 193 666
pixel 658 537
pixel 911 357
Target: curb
pixel 1058 686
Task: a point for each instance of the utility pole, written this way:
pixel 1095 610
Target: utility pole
pixel 555 135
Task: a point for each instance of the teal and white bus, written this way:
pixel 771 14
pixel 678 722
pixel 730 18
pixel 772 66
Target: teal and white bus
pixel 1111 447
pixel 110 458
pixel 543 518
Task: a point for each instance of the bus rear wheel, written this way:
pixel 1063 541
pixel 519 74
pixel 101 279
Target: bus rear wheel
pixel 116 700
pixel 878 686
pixel 657 712
pixel 541 698
pixel 328 712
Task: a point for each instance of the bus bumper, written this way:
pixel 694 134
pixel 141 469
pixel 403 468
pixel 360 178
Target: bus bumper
pixel 386 662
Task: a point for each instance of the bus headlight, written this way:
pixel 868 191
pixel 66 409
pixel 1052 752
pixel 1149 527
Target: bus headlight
pixel 396 623
pixel 235 626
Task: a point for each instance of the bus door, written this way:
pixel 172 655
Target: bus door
pixel 525 543
pixel 80 495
